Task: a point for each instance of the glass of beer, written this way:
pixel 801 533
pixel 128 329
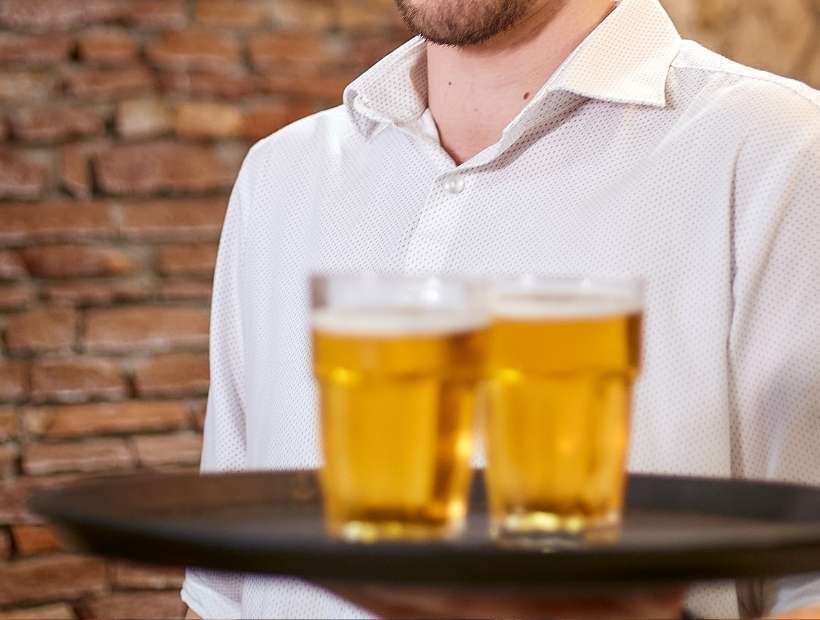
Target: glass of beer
pixel 562 357
pixel 398 360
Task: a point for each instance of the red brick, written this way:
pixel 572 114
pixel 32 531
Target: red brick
pixel 50 578
pixel 9 463
pixel 156 450
pixel 56 611
pixel 208 120
pixel 133 576
pixel 15 495
pixel 192 470
pixel 234 83
pixel 233 152
pixel 41 329
pixel 84 456
pixel 368 50
pixel 145 327
pixel 328 88
pixel 50 15
pixel 162 167
pixel 263 119
pixel 103 84
pixel 21 177
pixel 811 69
pixel 34 50
pixel 11 266
pixel 187 259
pixel 301 15
pixel 15 296
pixel 105 418
pixel 295 52
pixel 26 86
pixel 198 410
pixel 55 221
pixel 173 219
pixel 8 423
pixel 356 15
pixel 97 293
pixel 35 540
pixel 9 457
pixel 13 380
pixel 126 605
pixel 70 261
pixel 185 290
pixel 75 167
pixel 233 15
pixel 195 49
pixel 56 123
pixel 173 374
pixel 107 47
pixel 141 118
pixel 157 14
pixel 5 549
pixel 76 379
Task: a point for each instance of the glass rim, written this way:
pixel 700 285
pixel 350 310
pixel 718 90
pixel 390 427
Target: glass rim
pixel 489 287
pixel 428 292
pixel 375 274
pixel 387 277
pixel 633 286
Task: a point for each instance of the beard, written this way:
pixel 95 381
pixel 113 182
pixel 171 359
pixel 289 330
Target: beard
pixel 462 23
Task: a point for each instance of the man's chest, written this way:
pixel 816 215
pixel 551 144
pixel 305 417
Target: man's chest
pixel 547 210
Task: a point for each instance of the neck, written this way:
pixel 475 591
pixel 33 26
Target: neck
pixel 474 92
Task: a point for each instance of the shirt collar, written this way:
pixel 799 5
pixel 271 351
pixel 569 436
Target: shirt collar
pixel 625 60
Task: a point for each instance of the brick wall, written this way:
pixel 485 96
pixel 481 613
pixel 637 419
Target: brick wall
pixel 777 35
pixel 122 124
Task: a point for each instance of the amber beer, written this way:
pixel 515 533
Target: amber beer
pixel 562 358
pixel 397 400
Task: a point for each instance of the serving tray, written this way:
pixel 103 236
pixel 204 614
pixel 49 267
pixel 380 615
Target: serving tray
pixel 675 529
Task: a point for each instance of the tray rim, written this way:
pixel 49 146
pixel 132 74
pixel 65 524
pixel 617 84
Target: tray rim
pixel 99 533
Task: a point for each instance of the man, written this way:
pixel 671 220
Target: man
pixel 555 136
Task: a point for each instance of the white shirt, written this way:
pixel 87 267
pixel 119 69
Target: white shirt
pixel 643 155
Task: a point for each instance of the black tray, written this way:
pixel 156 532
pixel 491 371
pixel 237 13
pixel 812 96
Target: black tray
pixel 675 529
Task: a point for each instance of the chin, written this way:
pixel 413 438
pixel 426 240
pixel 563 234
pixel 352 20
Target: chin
pixel 462 22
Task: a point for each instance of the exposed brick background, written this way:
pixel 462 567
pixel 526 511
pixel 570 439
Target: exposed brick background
pixel 122 126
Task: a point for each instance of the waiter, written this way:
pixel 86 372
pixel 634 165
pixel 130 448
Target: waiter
pixel 552 136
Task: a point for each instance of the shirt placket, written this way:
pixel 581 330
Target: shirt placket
pixel 438 224
pixel 447 203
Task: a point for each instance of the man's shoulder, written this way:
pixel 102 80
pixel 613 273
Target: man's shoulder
pixel 766 116
pixel 309 137
pixel 737 83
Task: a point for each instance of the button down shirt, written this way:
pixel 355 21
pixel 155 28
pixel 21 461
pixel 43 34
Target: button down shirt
pixel 643 155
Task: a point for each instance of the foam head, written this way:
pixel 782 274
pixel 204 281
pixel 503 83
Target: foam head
pixel 396 321
pixel 543 307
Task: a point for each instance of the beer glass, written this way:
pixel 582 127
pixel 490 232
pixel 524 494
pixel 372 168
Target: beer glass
pixel 562 356
pixel 397 360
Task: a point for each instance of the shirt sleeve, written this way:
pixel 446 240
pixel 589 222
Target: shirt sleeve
pixel 774 348
pixel 211 594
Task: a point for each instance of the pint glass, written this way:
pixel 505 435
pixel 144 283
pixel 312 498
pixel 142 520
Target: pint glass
pixel 562 357
pixel 397 360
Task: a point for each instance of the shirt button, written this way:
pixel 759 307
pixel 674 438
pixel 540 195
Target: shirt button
pixel 454 184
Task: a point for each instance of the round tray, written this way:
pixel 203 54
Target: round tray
pixel 675 529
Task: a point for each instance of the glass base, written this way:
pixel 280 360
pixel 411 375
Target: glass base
pixel 395 531
pixel 551 531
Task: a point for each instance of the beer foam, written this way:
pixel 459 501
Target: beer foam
pixel 555 307
pixel 395 321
